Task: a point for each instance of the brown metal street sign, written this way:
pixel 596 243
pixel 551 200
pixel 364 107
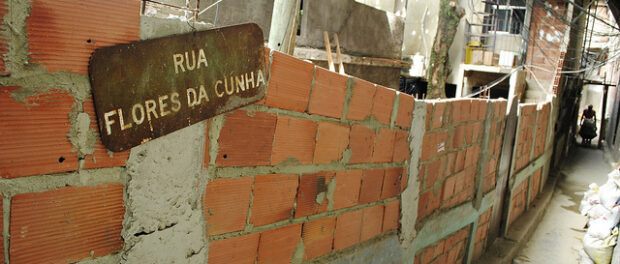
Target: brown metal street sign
pixel 147 89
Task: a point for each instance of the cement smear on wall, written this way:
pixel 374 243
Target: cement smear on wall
pixel 410 196
pixel 383 250
pixel 164 221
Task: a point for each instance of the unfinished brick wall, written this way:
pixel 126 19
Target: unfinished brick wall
pixel 480 240
pixel 450 153
pixel 302 170
pixel 494 148
pixel 55 214
pixel 315 171
pixel 525 138
pixel 452 249
pixel 530 157
pixel 546 42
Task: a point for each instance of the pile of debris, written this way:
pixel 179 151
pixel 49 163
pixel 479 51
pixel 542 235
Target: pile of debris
pixel 602 207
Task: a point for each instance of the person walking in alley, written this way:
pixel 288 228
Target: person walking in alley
pixel 588 125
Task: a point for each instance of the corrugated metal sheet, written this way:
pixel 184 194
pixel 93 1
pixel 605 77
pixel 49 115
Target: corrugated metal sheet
pixel 33 135
pixel 101 157
pixel 63 33
pixel 66 225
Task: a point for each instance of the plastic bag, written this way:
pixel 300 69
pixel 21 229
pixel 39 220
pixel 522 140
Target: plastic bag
pixel 598 211
pixel 584 258
pixel 600 250
pixel 602 227
pixel 609 193
pixel 614 176
pixel 590 198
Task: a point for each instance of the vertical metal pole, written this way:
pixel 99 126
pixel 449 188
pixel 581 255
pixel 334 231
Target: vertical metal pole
pixel 601 134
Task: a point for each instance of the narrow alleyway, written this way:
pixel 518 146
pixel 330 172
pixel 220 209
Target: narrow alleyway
pixel 557 239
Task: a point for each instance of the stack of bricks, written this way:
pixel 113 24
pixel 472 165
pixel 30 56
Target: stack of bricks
pixel 57 215
pixel 319 162
pixel 525 136
pixel 481 234
pixel 451 249
pixel 450 153
pixel 496 137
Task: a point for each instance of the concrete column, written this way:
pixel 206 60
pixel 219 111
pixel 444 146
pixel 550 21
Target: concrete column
pixel 164 220
pixel 410 196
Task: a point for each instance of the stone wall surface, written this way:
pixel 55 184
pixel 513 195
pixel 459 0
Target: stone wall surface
pixel 327 168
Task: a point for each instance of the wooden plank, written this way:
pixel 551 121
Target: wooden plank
pixel 283 28
pixel 499 207
pixel 328 49
pixel 339 56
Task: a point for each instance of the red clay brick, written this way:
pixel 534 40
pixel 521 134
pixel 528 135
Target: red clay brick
pixel 391 182
pixel 241 249
pixel 101 157
pixel 34 134
pixel 274 196
pixel 451 163
pixel 372 222
pixel 482 110
pixel 434 144
pixel 460 160
pixel 476 131
pixel 458 113
pixel 475 107
pixel 404 179
pixel 429 201
pixel 347 188
pixel 458 139
pixel 63 34
pixel 401 146
pixel 44 226
pixel 246 140
pixel 448 188
pixel 428 143
pixel 384 146
pixel 383 103
pixel 278 245
pixel 333 139
pixel 226 205
pixel 438 115
pixel 428 119
pixel 432 174
pixel 310 186
pixel 318 236
pixel 290 83
pixel 472 155
pixel 361 100
pixel 454 254
pixel 294 138
pixel 361 142
pixel 405 110
pixel 481 232
pixel 348 229
pixel 372 183
pixel 328 94
pixel 391 215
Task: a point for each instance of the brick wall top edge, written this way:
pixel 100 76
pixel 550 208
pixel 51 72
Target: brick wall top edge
pixel 448 100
